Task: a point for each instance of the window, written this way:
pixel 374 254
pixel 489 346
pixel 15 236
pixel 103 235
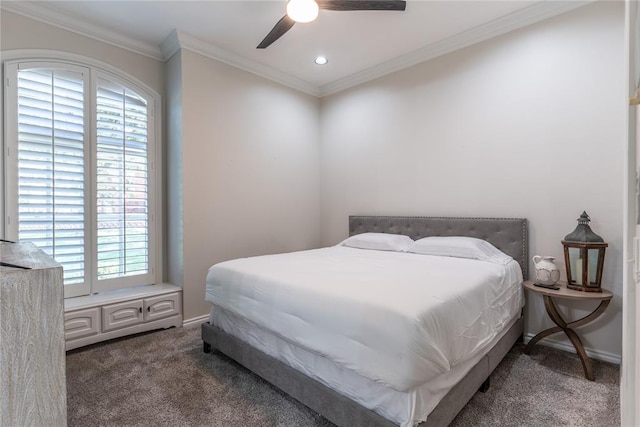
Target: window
pixel 80 172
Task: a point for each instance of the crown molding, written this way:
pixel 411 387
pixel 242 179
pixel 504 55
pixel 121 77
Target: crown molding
pixel 181 40
pixel 49 15
pixel 175 41
pixel 511 22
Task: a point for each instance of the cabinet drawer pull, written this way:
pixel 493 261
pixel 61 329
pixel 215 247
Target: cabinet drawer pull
pixel 149 309
pixel 140 309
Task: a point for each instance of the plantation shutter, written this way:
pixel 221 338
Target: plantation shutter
pixel 122 182
pixel 51 166
pixel 80 181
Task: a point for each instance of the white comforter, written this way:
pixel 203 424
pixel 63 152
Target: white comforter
pixel 396 318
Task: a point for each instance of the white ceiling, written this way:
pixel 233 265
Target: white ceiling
pixel 359 45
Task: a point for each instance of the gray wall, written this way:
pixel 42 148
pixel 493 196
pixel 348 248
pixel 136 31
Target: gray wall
pixel 529 124
pixel 174 218
pixel 630 369
pixel 250 169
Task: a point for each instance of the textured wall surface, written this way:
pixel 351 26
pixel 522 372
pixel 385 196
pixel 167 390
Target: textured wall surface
pixel 32 356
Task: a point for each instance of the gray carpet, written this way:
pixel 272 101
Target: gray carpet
pixel 164 379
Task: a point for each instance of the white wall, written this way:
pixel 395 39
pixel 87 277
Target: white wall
pixel 490 130
pixel 19 32
pixel 525 125
pixel 250 178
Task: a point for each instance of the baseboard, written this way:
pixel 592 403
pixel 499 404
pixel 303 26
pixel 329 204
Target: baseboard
pixel 195 321
pixel 566 346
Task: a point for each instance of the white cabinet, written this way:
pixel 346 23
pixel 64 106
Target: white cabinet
pixel 162 306
pixel 122 313
pixel 129 313
pixel 117 316
pixel 82 323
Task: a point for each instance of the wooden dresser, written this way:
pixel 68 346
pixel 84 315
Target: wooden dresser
pixel 32 344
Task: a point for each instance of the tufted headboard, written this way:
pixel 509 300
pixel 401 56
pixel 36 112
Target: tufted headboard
pixel 507 234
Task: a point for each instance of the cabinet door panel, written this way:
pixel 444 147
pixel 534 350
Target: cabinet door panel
pixel 116 316
pixel 161 306
pixel 82 323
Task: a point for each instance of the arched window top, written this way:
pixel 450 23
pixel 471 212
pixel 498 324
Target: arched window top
pixel 82 181
pixel 25 56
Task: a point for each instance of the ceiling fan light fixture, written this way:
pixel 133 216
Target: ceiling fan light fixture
pixel 307 11
pixel 302 10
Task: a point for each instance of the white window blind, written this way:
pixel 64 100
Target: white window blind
pixel 122 182
pixel 80 175
pixel 51 205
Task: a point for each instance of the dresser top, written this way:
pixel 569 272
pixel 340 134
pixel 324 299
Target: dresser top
pixel 25 254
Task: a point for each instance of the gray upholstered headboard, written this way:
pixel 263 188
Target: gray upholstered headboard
pixel 507 234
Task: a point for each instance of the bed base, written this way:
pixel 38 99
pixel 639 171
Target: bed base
pixel 339 409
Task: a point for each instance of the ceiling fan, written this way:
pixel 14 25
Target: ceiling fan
pixel 307 10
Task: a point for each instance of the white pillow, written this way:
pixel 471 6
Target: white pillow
pixel 460 247
pixel 379 241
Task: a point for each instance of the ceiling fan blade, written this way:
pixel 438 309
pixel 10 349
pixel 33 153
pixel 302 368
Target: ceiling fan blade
pixel 346 5
pixel 278 30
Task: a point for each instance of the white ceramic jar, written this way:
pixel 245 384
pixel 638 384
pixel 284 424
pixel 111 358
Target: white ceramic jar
pixel 547 272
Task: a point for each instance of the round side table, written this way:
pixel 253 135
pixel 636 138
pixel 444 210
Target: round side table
pixel 569 328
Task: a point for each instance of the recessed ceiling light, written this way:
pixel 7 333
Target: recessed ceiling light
pixel 321 60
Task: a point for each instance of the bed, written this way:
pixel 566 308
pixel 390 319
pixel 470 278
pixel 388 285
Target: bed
pixel 273 321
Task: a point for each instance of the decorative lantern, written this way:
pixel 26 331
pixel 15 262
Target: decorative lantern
pixel 584 257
